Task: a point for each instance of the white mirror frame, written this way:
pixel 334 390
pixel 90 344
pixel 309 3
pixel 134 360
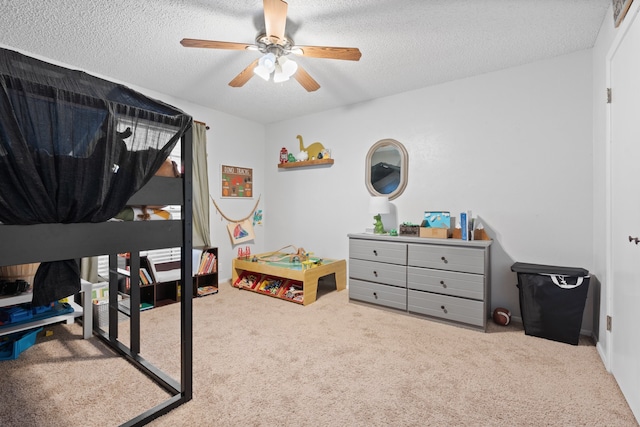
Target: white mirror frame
pixel 404 166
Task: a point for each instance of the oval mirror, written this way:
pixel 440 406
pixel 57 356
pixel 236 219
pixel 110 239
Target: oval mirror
pixel 386 168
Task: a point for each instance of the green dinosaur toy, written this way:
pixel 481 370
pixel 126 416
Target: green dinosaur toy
pixel 378 228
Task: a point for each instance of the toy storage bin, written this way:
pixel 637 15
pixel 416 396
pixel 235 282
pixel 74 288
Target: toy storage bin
pixel 12 345
pixel 552 300
pixel 101 311
pixel 24 272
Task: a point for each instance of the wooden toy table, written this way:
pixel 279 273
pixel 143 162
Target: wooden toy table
pixel 285 269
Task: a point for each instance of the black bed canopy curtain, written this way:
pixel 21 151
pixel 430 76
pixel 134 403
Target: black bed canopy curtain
pixel 74 148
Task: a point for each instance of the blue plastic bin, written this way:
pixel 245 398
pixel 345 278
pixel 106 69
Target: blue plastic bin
pixel 17 343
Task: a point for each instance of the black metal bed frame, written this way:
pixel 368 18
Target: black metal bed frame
pixel 21 244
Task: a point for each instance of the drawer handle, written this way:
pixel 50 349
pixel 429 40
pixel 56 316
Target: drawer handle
pixel 375 273
pixel 444 285
pixel 444 259
pixel 443 308
pixel 375 295
pixel 375 252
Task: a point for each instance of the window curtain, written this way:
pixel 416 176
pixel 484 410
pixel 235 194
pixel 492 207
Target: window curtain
pixel 74 148
pixel 201 227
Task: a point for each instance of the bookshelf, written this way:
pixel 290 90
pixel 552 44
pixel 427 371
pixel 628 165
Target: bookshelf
pixel 205 277
pixel 160 281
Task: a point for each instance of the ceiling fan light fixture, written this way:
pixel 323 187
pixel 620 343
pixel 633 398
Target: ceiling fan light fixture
pixel 262 71
pixel 279 76
pixel 274 45
pixel 289 67
pixel 268 61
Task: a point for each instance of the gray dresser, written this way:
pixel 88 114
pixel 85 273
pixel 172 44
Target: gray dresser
pixel 445 279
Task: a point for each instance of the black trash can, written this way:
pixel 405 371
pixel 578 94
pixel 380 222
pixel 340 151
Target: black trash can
pixel 552 300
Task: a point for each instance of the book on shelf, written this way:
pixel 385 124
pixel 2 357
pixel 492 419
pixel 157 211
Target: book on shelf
pixel 208 263
pixel 207 290
pixel 203 261
pixel 145 277
pixel 145 306
pixel 153 273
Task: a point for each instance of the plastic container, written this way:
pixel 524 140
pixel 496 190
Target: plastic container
pixel 12 345
pixel 15 314
pixel 101 311
pixel 552 300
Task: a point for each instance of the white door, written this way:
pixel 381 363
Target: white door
pixel 625 199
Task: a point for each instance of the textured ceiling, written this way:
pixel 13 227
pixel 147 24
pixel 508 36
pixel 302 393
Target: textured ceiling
pixel 405 44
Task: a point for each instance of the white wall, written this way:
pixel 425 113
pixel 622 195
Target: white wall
pixel 231 141
pixel 513 146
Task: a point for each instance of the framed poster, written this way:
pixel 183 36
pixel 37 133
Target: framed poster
pixel 620 9
pixel 236 182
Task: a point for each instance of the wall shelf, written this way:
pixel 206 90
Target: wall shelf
pixel 305 163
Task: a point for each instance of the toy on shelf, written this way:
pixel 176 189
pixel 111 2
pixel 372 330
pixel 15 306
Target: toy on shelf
pixel 294 292
pixel 409 229
pixel 312 151
pixel 302 156
pixel 248 281
pixel 271 285
pixel 284 155
pixel 299 256
pixel 311 263
pixel 246 253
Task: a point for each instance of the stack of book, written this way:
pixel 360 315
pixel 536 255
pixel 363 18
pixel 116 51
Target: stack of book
pixel 145 277
pixel 208 263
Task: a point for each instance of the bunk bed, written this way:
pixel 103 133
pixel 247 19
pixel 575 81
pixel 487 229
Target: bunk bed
pixel 74 151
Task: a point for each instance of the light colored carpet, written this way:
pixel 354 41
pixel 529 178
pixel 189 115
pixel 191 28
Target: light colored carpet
pixel 259 361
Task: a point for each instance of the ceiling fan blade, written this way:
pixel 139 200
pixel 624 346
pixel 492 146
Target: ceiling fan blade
pixel 275 19
pixel 347 53
pixel 244 75
pixel 306 80
pixel 212 44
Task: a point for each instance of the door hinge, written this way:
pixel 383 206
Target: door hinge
pixel 608 95
pixel 609 323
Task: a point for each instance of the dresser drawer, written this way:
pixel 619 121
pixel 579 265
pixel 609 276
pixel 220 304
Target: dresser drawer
pixel 375 293
pixel 388 274
pixel 445 307
pixel 446 282
pixel 467 260
pixel 390 252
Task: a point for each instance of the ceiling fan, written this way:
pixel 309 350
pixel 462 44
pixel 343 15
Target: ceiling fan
pixel 275 47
